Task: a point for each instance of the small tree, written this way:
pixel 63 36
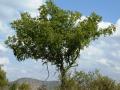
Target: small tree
pixel 3 79
pixel 55 36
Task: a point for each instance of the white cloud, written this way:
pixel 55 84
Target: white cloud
pixel 1 27
pixel 2 48
pixel 103 44
pixel 8 13
pixel 22 3
pixel 117 32
pixel 103 24
pixel 103 61
pixel 10 9
pixel 4 68
pixel 32 6
pixel 80 20
pixel 34 3
pixel 83 18
pixel 116 53
pixel 4 60
pixel 23 71
pixel 91 51
pixel 5 30
pixel 117 68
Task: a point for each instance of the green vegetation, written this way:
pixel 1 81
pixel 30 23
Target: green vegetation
pixel 3 79
pixel 24 86
pixel 14 86
pixel 56 36
pixel 90 81
pixel 77 81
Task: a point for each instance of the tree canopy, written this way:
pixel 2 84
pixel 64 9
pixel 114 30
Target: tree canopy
pixel 55 35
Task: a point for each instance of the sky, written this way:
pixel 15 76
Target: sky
pixel 102 54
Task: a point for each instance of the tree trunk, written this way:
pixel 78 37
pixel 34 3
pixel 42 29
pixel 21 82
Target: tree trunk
pixel 63 78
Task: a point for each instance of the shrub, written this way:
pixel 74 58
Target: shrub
pixel 3 79
pixel 13 86
pixel 24 86
pixel 90 81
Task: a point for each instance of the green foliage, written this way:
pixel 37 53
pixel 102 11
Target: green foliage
pixel 3 79
pixel 24 86
pixel 14 86
pixel 94 81
pixel 90 81
pixel 54 36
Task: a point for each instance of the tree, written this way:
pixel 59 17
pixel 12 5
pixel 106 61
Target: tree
pixel 3 79
pixel 56 36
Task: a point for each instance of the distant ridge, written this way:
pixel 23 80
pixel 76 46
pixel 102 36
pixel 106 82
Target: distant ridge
pixel 35 83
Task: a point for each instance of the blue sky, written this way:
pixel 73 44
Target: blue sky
pixel 109 9
pixel 103 54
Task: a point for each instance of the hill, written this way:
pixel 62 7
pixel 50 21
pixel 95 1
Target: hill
pixel 35 84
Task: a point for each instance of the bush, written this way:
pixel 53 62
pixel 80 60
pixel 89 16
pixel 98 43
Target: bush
pixel 24 86
pixel 16 86
pixel 90 81
pixel 3 79
pixel 13 86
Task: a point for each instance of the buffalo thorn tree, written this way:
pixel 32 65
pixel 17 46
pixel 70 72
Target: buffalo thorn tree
pixel 56 36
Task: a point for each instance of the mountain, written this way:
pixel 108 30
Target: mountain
pixel 35 84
